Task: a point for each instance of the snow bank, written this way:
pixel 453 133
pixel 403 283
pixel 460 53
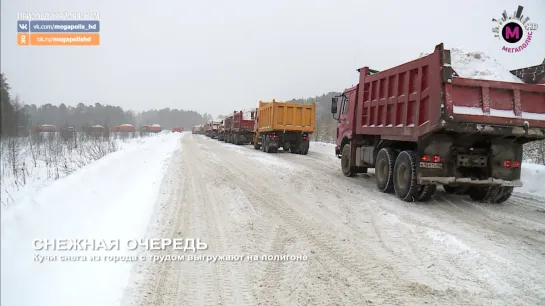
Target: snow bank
pixel 112 198
pixel 44 163
pixel 533 180
pixel 322 148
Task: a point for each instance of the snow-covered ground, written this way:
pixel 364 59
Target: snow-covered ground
pixel 363 247
pixel 38 163
pixel 111 198
pixel 533 180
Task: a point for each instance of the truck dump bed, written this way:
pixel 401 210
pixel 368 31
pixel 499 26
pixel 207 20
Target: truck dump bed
pixel 242 121
pixel 281 116
pixel 422 96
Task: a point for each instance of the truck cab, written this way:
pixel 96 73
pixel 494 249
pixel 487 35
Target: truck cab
pixel 343 108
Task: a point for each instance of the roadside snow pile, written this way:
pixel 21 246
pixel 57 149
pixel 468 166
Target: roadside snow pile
pixel 533 180
pixel 322 148
pixel 112 198
pixel 478 65
pixel 30 163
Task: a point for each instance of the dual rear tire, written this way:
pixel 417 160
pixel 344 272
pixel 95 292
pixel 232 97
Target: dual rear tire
pixel 490 194
pixel 398 174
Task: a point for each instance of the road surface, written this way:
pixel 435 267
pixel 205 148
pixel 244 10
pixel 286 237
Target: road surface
pixel 363 247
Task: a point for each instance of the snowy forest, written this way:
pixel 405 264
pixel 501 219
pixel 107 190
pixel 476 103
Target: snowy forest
pixel 16 117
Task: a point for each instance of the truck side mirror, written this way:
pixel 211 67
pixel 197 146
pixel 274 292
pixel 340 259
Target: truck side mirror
pixel 334 105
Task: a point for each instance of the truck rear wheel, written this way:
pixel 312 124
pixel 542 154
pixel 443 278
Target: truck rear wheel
pixel 257 146
pixel 235 140
pixel 504 194
pixel 484 194
pixel 384 170
pixel 345 162
pixel 405 183
pixel 426 193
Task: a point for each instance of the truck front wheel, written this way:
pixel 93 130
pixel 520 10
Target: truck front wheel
pixel 384 170
pixel 257 146
pixel 345 162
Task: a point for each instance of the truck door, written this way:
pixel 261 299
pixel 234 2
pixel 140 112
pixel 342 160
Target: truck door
pixel 344 120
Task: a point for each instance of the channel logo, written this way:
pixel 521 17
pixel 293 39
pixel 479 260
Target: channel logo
pixel 514 31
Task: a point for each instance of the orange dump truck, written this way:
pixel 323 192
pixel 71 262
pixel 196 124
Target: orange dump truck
pixel 124 128
pixel 47 128
pixel 155 128
pixel 283 124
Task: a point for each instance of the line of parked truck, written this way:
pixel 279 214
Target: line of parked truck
pixel 271 126
pixel 419 125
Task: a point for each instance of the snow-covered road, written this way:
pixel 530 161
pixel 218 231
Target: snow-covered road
pixel 363 247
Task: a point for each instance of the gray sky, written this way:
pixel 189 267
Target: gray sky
pixel 217 56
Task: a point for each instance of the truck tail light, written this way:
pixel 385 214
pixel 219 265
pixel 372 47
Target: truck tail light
pixel 434 158
pixel 272 136
pixel 305 137
pixel 511 164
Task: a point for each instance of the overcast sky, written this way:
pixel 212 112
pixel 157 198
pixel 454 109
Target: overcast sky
pixel 216 56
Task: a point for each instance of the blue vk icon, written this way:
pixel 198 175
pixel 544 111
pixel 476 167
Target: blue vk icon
pixel 23 26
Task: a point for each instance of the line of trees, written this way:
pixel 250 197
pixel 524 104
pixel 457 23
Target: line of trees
pixel 16 117
pixel 12 114
pixel 325 125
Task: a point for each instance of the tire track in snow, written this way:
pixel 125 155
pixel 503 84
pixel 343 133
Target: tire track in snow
pixel 483 285
pixel 386 242
pixel 303 226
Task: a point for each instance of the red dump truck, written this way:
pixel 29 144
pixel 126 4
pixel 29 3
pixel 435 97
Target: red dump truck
pixel 241 129
pixel 197 129
pixel 211 129
pixel 420 125
pixel 225 128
